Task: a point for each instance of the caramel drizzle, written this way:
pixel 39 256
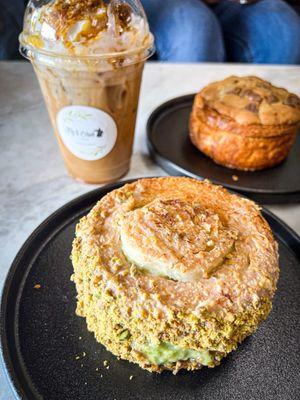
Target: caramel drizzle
pixel 63 14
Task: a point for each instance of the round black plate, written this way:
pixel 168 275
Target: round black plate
pixel 170 147
pixel 44 355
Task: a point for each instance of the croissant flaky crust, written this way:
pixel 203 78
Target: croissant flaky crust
pixel 245 122
pixel 173 273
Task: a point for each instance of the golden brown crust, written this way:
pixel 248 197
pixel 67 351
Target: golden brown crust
pixel 225 128
pixel 238 148
pixel 224 123
pixel 250 100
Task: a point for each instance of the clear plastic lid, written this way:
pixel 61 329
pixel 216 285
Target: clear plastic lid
pixel 86 30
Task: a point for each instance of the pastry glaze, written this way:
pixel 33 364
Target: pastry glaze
pixel 219 268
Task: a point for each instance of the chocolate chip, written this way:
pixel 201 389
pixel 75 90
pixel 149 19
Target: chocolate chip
pixel 272 99
pixel 252 107
pixel 292 100
pixel 235 90
pixel 253 96
pixel 263 85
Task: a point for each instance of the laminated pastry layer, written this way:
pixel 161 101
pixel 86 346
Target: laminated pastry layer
pixel 242 147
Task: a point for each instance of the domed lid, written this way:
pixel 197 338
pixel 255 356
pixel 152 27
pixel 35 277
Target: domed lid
pixel 93 29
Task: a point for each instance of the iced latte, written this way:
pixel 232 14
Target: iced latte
pixel 89 57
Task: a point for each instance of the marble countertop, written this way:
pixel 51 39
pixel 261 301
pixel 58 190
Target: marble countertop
pixel 33 180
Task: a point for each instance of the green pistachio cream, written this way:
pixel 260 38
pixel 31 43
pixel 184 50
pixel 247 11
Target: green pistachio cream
pixel 165 353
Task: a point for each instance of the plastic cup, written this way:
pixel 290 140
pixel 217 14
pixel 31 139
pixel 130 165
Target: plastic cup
pixel 92 98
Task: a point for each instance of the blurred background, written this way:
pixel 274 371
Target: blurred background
pixel 261 31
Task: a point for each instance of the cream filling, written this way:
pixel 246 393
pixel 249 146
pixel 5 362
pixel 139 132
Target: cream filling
pixel 166 353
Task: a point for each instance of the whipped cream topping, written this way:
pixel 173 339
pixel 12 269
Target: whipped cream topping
pixel 85 28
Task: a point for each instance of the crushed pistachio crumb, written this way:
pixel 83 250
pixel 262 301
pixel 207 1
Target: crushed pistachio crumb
pixel 37 286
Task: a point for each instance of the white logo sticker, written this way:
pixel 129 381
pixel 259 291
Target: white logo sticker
pixel 89 133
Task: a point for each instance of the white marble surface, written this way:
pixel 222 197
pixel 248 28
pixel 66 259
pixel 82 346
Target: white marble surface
pixel 33 180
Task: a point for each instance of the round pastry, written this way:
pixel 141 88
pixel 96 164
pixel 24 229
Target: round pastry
pixel 173 272
pixel 245 122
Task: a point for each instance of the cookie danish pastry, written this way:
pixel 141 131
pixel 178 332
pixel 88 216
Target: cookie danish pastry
pixel 173 273
pixel 245 122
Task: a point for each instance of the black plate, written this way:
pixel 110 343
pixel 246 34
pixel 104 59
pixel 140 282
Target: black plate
pixel 170 147
pixel 40 332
